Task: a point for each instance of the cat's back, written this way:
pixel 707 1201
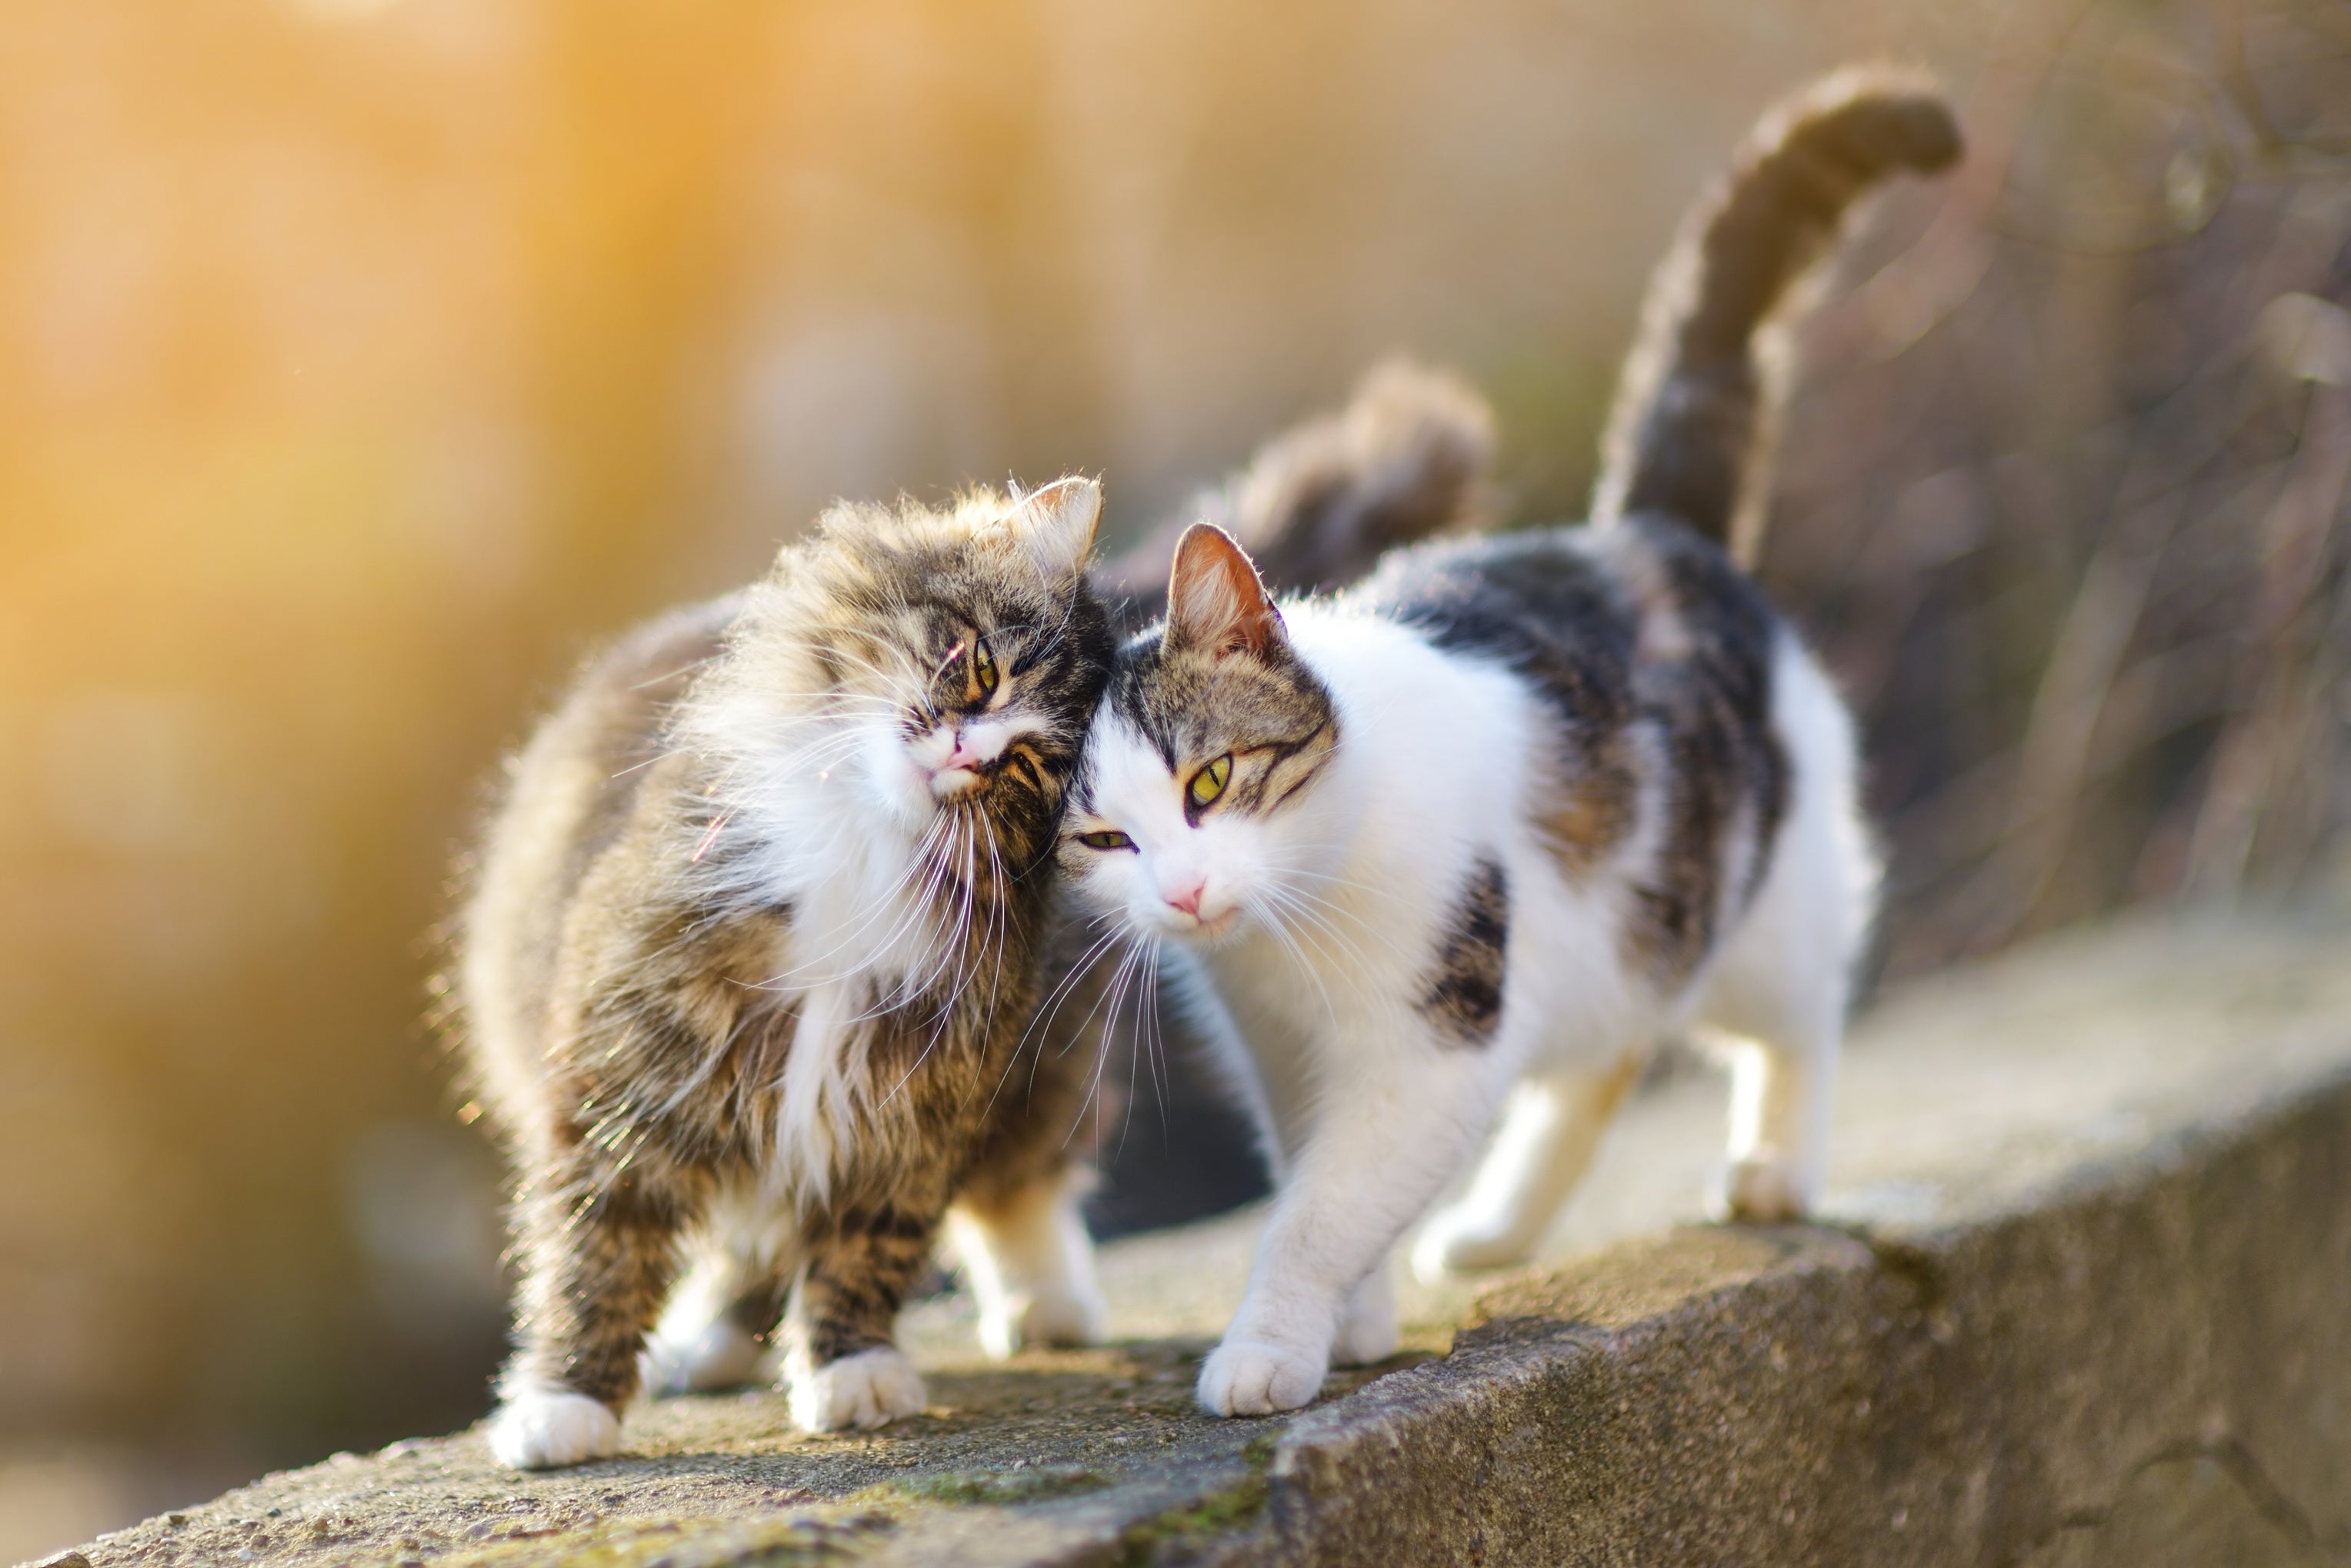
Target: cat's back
pixel 1597 619
pixel 1657 658
pixel 1544 603
pixel 569 793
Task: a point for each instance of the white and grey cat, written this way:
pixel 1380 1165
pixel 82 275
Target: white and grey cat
pixel 1461 844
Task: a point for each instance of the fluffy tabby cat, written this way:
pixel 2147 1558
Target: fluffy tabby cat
pixel 767 972
pixel 1476 833
pixel 758 936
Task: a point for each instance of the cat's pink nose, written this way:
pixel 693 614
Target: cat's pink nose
pixel 1188 901
pixel 960 756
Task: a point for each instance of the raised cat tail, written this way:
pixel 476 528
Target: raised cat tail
pixel 1407 458
pixel 1690 430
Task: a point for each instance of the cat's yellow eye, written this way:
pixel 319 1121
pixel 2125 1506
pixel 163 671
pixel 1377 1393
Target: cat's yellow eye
pixel 1210 781
pixel 1110 840
pixel 983 668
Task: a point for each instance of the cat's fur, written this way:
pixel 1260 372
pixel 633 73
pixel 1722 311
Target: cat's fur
pixel 1408 458
pixel 642 946
pixel 1480 831
pixel 757 941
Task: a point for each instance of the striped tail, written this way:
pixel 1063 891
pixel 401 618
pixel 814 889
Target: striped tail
pixel 1689 431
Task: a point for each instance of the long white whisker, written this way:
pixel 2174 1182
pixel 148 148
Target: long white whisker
pixel 1116 998
pixel 1043 1015
pixel 1292 903
pixel 1271 916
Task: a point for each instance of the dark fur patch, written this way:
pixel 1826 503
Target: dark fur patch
pixel 1708 698
pixel 1464 999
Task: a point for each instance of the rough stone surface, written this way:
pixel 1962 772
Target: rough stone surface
pixel 2084 1297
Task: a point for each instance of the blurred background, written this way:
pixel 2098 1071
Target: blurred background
pixel 363 362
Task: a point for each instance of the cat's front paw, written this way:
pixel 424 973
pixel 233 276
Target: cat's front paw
pixel 865 1390
pixel 1762 1189
pixel 1455 1242
pixel 1065 1315
pixel 1250 1377
pixel 542 1429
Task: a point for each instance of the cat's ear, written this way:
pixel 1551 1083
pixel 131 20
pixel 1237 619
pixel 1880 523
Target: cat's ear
pixel 1214 603
pixel 1055 526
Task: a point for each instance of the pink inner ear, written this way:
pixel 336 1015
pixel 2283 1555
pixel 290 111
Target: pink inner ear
pixel 1214 597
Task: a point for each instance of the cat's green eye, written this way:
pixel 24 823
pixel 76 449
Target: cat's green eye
pixel 1110 839
pixel 983 666
pixel 1210 781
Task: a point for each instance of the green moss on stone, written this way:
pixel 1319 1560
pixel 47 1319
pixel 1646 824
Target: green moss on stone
pixel 1221 1512
pixel 998 1488
pixel 683 1542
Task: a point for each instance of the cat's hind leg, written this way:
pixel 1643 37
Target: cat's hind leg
pixel 1779 1131
pixel 718 1330
pixel 712 1335
pixel 1780 988
pixel 1550 1128
pixel 1015 1227
pixel 1775 1009
pixel 1030 1263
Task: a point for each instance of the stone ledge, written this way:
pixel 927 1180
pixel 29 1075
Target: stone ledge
pixel 2085 1298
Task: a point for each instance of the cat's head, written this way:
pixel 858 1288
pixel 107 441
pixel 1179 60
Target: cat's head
pixel 1196 810
pixel 926 671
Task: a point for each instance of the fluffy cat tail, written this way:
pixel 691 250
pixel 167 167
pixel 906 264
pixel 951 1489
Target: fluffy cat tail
pixel 1690 430
pixel 1406 458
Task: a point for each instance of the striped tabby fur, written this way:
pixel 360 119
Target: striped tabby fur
pixel 756 947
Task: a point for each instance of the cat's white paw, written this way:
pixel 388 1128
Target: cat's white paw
pixel 541 1429
pixel 865 1390
pixel 1367 1333
pixel 722 1354
pixel 1456 1242
pixel 1068 1315
pixel 1762 1189
pixel 1250 1377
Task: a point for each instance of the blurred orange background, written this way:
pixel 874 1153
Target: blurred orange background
pixel 361 362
